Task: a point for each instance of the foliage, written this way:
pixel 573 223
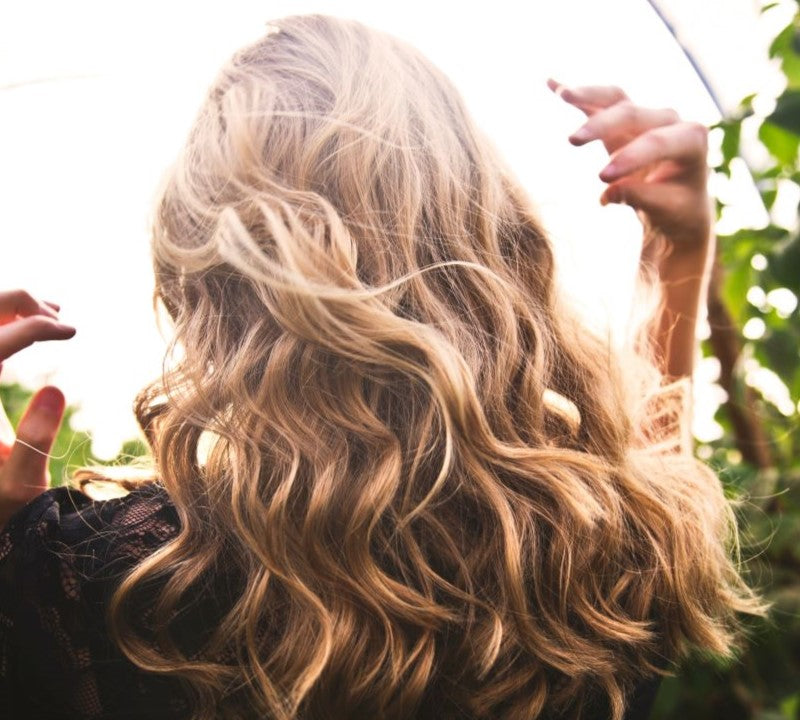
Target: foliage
pixel 761 282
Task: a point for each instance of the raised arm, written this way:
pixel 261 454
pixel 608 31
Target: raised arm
pixel 684 277
pixel 658 167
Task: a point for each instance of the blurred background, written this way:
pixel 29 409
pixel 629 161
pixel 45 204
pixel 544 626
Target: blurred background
pixel 96 98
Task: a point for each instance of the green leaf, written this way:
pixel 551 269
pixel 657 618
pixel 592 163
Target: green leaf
pixel 768 198
pixel 787 112
pixel 769 174
pixel 781 143
pixel 732 133
pixel 784 264
pixel 738 280
pixel 786 47
pixel 794 386
pixel 746 105
pixel 781 348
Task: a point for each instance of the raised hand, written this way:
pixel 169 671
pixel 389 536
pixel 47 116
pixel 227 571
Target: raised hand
pixel 658 167
pixel 657 164
pixel 25 320
pixel 23 460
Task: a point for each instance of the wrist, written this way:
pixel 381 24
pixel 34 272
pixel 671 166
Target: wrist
pixel 685 261
pixel 683 247
pixel 665 257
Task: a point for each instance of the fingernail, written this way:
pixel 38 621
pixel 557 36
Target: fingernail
pixel 50 400
pixel 556 87
pixel 581 135
pixel 609 172
pixel 66 329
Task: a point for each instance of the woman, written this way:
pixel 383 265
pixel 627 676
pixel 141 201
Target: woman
pixel 395 478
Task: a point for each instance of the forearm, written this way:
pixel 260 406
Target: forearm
pixel 683 276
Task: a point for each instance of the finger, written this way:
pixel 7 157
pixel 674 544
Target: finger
pixel 24 332
pixel 589 98
pixel 660 199
pixel 54 306
pixel 25 472
pixel 684 142
pixel 624 118
pixel 20 303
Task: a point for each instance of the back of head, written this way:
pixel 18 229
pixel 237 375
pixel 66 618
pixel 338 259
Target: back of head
pixel 403 516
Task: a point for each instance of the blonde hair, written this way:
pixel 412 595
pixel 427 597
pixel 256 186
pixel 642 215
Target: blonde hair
pixel 426 489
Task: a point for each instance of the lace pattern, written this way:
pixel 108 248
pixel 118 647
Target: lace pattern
pixel 60 560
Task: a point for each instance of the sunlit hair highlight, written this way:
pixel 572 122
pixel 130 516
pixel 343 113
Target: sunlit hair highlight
pixel 413 484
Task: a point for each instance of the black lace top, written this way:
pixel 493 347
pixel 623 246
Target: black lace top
pixel 61 558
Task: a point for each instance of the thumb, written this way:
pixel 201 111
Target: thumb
pixel 24 474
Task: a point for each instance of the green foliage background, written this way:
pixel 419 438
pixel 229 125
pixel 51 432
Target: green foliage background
pixel 764 684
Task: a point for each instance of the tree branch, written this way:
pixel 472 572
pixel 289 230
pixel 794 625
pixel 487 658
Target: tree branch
pixel 726 344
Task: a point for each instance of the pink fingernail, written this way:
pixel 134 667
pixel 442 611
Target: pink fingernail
pixel 581 135
pixel 609 172
pixel 50 400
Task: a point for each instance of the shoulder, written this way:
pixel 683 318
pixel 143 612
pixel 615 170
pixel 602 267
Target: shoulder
pixel 64 520
pixel 61 558
pixel 63 539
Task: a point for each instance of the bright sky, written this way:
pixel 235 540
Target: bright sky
pixel 96 97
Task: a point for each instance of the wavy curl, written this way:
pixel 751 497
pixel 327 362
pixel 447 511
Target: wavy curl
pixel 428 489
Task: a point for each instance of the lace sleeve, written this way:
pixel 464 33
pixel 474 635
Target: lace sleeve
pixel 667 413
pixel 60 560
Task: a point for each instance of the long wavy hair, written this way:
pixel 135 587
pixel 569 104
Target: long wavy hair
pixel 414 485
